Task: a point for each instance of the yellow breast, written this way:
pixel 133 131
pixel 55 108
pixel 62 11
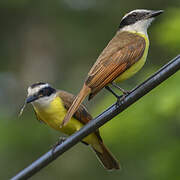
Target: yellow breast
pixel 137 66
pixel 53 115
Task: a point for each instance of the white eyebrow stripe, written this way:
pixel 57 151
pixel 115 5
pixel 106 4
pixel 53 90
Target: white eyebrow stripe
pixel 36 89
pixel 136 10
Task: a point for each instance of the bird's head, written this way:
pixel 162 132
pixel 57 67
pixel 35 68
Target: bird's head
pixel 41 93
pixel 138 20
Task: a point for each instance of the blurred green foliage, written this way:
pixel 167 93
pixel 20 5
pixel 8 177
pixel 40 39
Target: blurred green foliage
pixel 170 29
pixel 57 42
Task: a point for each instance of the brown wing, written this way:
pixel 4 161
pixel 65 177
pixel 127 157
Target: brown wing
pixel 122 51
pixel 81 114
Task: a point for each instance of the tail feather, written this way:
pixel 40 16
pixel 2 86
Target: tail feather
pixel 76 103
pixel 106 158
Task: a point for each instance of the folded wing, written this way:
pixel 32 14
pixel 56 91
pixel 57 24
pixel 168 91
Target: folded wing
pixel 122 52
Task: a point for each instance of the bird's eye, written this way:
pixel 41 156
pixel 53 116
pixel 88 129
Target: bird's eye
pixel 44 92
pixel 41 92
pixel 47 91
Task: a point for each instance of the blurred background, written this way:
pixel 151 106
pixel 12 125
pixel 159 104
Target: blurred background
pixel 57 42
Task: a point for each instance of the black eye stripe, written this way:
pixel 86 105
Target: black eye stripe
pixel 132 18
pixel 46 91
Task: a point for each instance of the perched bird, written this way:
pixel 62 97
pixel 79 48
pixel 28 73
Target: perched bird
pixel 124 56
pixel 51 105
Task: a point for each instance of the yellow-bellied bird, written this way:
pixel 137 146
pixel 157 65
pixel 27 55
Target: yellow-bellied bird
pixel 51 105
pixel 124 56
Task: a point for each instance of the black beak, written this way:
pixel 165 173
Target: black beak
pixel 31 99
pixel 155 13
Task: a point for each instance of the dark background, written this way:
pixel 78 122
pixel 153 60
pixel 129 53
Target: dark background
pixel 57 42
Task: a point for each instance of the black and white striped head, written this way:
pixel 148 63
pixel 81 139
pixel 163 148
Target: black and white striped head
pixel 41 93
pixel 138 20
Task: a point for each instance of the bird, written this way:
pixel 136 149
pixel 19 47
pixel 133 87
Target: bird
pixel 50 106
pixel 124 56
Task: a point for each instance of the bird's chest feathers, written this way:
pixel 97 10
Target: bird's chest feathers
pixel 53 113
pixel 138 65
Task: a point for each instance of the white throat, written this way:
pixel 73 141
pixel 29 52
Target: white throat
pixel 138 27
pixel 44 101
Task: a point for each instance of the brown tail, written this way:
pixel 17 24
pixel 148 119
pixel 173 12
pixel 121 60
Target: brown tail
pixel 106 158
pixel 76 103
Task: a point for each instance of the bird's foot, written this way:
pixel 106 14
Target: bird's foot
pixel 111 91
pixel 60 140
pixel 121 89
pixel 119 98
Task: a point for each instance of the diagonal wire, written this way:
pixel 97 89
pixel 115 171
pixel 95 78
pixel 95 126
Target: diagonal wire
pixel 165 72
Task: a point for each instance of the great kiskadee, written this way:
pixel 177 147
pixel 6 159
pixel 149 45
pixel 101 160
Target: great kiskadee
pixel 51 105
pixel 124 56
